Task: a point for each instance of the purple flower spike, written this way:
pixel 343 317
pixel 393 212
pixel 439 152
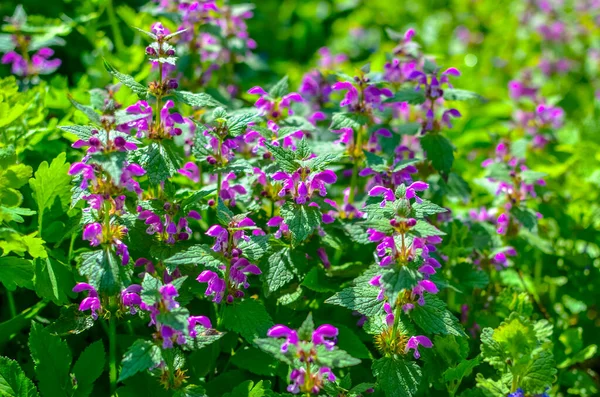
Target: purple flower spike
pixel 415 341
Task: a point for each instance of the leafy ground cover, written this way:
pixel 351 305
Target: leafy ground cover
pixel 200 198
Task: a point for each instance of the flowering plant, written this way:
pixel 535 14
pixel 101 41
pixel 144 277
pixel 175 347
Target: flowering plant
pixel 388 223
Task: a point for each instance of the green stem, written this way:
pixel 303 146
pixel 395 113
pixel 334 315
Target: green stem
pixel 357 154
pixel 112 354
pixel 71 245
pixel 114 24
pixel 11 303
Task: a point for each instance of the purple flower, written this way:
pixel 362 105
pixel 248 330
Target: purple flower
pixel 388 194
pixel 92 302
pixel 190 170
pixel 130 297
pixel 415 341
pixel 93 233
pixel 194 320
pixel 216 285
pixel 414 187
pixel 320 335
pixel 281 331
pixel 40 63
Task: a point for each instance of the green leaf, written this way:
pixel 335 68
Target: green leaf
pixel 286 159
pixel 194 255
pixel 248 318
pixel 539 374
pixel 113 163
pixel 52 359
pixel 51 182
pixel 83 132
pixel 427 208
pixel 103 271
pixel 336 358
pixel 397 378
pixel 255 247
pixel 273 347
pixel 307 328
pixel 256 361
pixel 142 355
pixel 282 267
pixel 434 318
pixel 425 229
pixel 302 220
pixel 88 368
pixel 16 272
pixel 53 280
pixel 456 94
pixel 70 322
pixel 409 95
pixel 160 160
pixel 463 369
pixel 88 111
pixel 201 99
pixel 347 120
pixel 13 382
pixel 439 151
pixel 127 80
pixel 362 298
pixel 238 122
pixel 280 89
pixel 526 217
pixel 176 319
pixel 318 281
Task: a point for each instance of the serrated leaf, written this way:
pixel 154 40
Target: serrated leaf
pixel 255 361
pixel 194 255
pixel 255 247
pixel 248 318
pixel 526 217
pixel 539 374
pixel 433 317
pixel 286 159
pixel 88 111
pixel 282 267
pixel 51 182
pixel 363 299
pixel 336 358
pixel 83 132
pixel 397 378
pixel 273 347
pixel 280 89
pixel 142 355
pixel 302 220
pixel 200 99
pixel 176 318
pixel 237 122
pixel 16 272
pixel 52 359
pixel 347 120
pixel 128 81
pixel 13 382
pixel 88 367
pixel 160 160
pixel 103 271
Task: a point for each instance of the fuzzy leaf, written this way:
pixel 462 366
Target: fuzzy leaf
pixel 249 318
pixel 397 378
pixel 142 355
pixel 363 299
pixel 433 317
pixel 302 220
pixel 16 272
pixel 200 99
pixel 127 80
pixel 52 359
pixel 409 95
pixel 13 381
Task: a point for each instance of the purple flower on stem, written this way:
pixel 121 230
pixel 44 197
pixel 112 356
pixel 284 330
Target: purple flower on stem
pixel 91 302
pixel 320 335
pixel 415 341
pixel 281 331
pixel 130 297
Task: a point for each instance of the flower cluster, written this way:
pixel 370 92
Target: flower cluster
pixel 309 376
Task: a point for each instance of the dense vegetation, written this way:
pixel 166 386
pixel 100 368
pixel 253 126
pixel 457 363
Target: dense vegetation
pixel 331 198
